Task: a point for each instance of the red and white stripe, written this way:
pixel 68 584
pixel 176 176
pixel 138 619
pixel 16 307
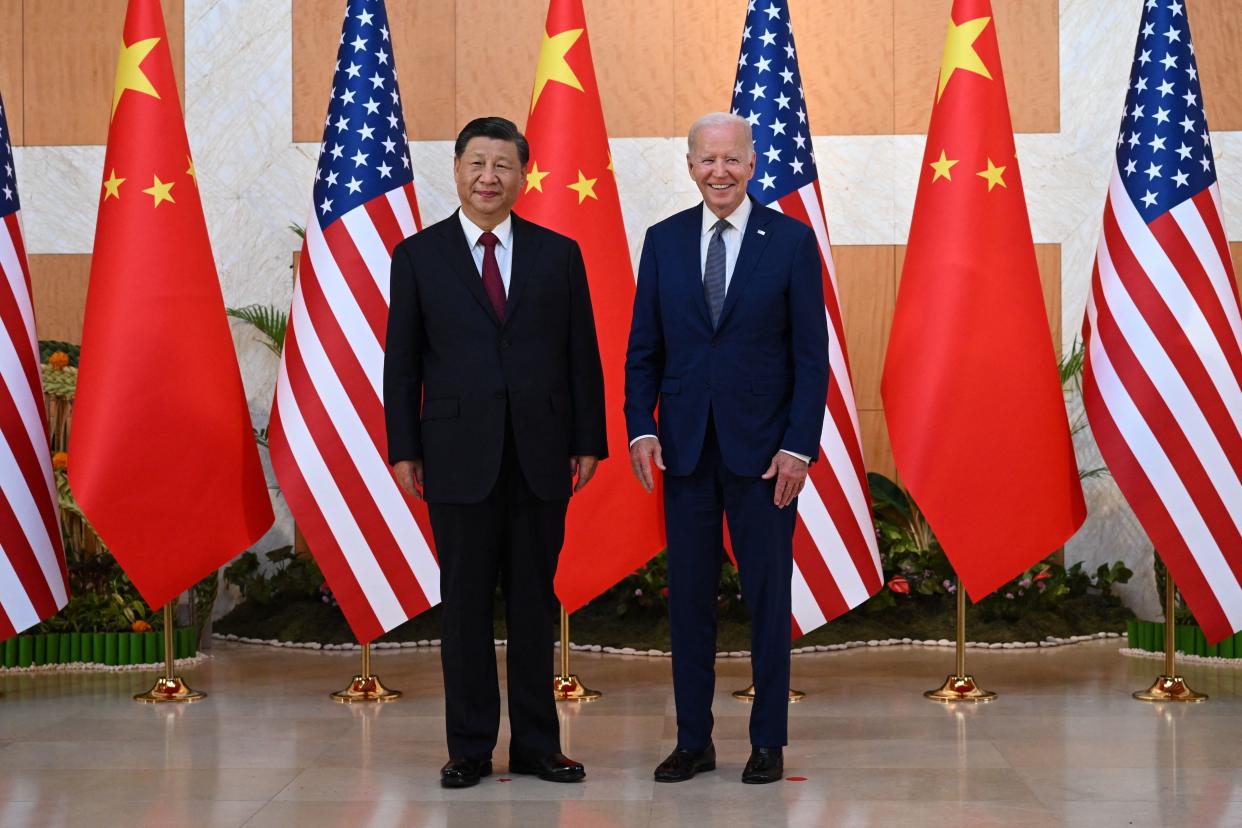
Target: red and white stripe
pixel 836 559
pixel 327 435
pixel 34 583
pixel 1163 391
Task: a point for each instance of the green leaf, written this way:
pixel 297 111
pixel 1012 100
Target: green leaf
pixel 885 492
pixel 269 320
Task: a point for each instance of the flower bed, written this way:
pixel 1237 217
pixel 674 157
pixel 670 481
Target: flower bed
pixel 111 649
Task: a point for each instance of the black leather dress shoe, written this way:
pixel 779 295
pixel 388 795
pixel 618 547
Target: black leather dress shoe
pixel 765 765
pixel 464 773
pixel 556 767
pixel 684 764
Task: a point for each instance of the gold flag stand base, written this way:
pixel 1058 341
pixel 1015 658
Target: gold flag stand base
pixel 566 687
pixel 169 688
pixel 748 695
pixel 365 687
pixel 960 689
pixel 1169 687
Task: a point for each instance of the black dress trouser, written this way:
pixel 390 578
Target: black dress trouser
pixel 515 538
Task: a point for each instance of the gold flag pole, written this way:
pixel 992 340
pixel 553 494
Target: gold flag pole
pixel 365 687
pixel 169 688
pixel 565 685
pixel 960 686
pixel 1169 686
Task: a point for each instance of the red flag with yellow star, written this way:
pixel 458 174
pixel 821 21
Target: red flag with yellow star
pixel 162 458
pixel 613 527
pixel 971 389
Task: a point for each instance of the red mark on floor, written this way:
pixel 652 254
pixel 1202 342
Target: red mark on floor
pixel 795 778
pixel 504 779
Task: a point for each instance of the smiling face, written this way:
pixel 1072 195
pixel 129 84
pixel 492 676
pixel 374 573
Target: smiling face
pixel 489 176
pixel 721 161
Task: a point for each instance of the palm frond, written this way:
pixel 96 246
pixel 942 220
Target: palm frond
pixel 269 320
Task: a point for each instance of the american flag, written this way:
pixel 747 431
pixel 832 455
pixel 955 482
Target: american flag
pixel 34 583
pixel 327 434
pixel 1163 332
pixel 836 560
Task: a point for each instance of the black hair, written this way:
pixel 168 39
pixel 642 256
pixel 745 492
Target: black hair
pixel 496 127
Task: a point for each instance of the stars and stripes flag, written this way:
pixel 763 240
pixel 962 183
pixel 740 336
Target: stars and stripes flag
pixel 328 444
pixel 1162 382
pixel 836 561
pixel 34 583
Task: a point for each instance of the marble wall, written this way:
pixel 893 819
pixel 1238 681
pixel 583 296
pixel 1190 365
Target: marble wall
pixel 255 182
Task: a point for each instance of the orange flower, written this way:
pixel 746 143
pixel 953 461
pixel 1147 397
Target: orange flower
pixel 60 460
pixel 141 626
pixel 58 360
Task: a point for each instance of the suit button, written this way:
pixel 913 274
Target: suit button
pixel 504 343
pixel 500 395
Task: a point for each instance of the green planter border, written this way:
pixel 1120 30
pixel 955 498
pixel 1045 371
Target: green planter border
pixel 1188 638
pixel 109 649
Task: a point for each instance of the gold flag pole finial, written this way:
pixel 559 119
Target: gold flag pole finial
pixel 365 687
pixel 169 687
pixel 1169 686
pixel 960 687
pixel 565 685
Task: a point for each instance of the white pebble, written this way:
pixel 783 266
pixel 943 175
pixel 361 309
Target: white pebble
pixel 655 652
pixel 595 648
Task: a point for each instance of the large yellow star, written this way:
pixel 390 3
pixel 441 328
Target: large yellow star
pixel 112 187
pixel 994 174
pixel 584 187
pixel 552 64
pixel 959 51
pixel 160 191
pixel 534 178
pixel 129 73
pixel 942 168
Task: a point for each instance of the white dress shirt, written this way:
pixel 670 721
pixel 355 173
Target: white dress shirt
pixel 732 238
pixel 504 248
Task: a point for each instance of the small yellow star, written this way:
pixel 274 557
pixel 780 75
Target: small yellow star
pixel 552 64
pixel 534 178
pixel 129 74
pixel 160 191
pixel 942 168
pixel 584 187
pixel 190 172
pixel 959 51
pixel 610 167
pixel 994 174
pixel 112 187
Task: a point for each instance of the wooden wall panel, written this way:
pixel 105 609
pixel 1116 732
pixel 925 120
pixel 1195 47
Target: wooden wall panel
pixel 1030 54
pixel 845 54
pixel 1235 248
pixel 11 66
pixel 703 64
pixel 867 284
pixel 1048 257
pixel 1217 31
pixel 877 450
pixel 633 64
pixel 59 288
pixel 70 56
pixel 422 42
pixel 496 57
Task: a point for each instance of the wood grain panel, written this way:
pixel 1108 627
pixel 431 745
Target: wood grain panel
pixel 877 451
pixel 1216 28
pixel 633 58
pixel 1030 54
pixel 866 282
pixel 1235 249
pixel 704 62
pixel 845 55
pixel 1048 256
pixel 70 65
pixel 59 287
pixel 496 57
pixel 422 42
pixel 11 67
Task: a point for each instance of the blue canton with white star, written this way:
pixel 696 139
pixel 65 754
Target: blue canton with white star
pixel 768 94
pixel 8 180
pixel 1164 150
pixel 364 153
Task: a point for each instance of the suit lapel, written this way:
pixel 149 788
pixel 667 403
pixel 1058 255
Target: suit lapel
pixel 692 254
pixel 526 243
pixel 753 244
pixel 457 253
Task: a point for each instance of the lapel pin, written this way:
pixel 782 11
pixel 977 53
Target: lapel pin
pixel 761 232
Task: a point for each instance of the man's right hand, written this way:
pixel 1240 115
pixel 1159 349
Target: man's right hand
pixel 643 454
pixel 409 474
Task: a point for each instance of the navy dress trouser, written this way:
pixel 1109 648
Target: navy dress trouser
pixel 695 507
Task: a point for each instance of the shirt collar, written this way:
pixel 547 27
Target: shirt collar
pixel 737 219
pixel 503 231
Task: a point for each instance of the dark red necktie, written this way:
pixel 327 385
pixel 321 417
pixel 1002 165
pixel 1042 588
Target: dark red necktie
pixel 492 282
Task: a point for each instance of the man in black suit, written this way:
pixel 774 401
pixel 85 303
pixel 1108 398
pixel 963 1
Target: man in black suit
pixel 494 401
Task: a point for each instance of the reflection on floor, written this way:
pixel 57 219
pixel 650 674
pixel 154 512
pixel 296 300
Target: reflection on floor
pixel 1064 744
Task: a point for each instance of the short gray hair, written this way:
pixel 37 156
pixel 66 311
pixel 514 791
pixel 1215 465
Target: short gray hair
pixel 720 119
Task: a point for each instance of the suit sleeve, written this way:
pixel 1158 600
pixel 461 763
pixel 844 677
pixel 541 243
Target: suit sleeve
pixel 403 381
pixel 809 346
pixel 589 435
pixel 644 358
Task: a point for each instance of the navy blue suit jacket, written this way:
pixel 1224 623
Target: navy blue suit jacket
pixel 762 372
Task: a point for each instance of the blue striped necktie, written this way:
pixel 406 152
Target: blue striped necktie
pixel 714 272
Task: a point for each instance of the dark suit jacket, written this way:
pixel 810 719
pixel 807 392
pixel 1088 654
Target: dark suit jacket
pixel 452 371
pixel 763 372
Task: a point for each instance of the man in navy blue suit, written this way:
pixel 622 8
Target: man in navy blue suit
pixel 730 338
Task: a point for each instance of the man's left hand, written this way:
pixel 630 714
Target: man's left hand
pixel 584 467
pixel 790 474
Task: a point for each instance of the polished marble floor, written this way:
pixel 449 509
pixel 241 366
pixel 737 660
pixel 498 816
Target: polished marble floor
pixel 1064 744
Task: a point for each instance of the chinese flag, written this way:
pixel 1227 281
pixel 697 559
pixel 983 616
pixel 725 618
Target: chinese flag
pixel 971 388
pixel 162 457
pixel 613 526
